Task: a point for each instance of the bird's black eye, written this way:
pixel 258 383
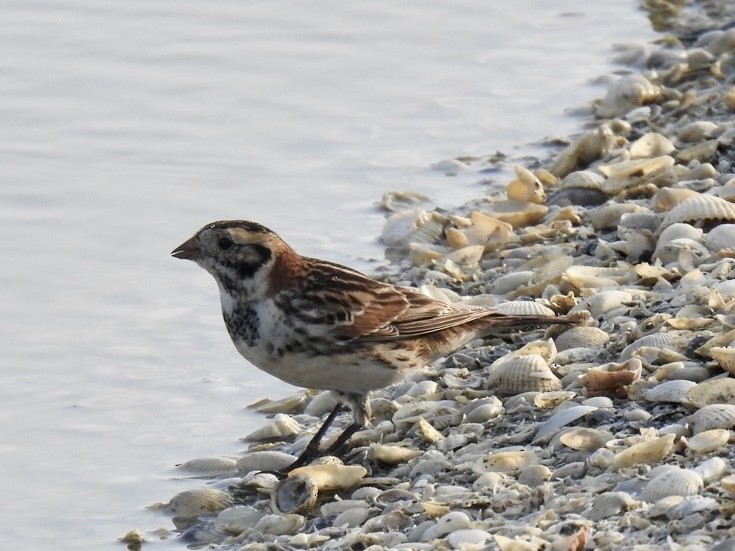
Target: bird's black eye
pixel 225 243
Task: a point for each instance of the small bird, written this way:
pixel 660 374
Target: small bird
pixel 320 325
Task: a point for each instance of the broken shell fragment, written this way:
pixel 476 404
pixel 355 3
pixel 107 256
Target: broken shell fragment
pixel 648 452
pixel 332 476
pixel 505 461
pixel 708 441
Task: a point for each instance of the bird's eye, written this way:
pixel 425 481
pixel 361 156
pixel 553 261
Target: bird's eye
pixel 225 243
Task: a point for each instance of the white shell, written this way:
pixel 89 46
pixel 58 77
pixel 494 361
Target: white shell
pixel 282 426
pixel 651 144
pixel 648 452
pixel 209 466
pixel 672 482
pixel 713 416
pixel 582 337
pixel 709 440
pixel 192 503
pixel 269 460
pixel 279 524
pixel 585 438
pixel 524 308
pixel 511 461
pixel 712 391
pixel 702 208
pixel 560 419
pixel 332 476
pixel 670 391
pixel 517 374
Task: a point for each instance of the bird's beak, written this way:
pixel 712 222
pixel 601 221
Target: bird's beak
pixel 188 250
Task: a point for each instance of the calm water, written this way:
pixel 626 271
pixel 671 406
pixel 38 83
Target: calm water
pixel 124 126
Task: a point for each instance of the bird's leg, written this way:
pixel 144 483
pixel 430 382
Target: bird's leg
pixel 342 439
pixel 311 451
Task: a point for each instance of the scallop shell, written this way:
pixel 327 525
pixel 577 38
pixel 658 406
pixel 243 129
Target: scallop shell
pixel 712 391
pixel 709 440
pixel 524 308
pixel 582 337
pixel 699 210
pixel 517 374
pixel 511 461
pixel 673 340
pixel 209 466
pixel 526 187
pixel 282 426
pixel 551 426
pixel 332 476
pixel 203 501
pixel 713 416
pixel 672 482
pixel 648 452
pixel 413 226
pixel 584 438
pixel 668 197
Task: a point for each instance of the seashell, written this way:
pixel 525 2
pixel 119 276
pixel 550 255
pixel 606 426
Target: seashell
pixel 702 152
pixel 393 455
pixel 725 357
pixel 651 144
pixel 282 426
pixel 582 337
pixel 609 216
pixel 611 504
pixel 585 439
pixel 587 149
pixel 673 340
pixel 413 226
pixel 622 174
pixel 713 416
pixel 626 94
pixel 332 476
pixel 686 252
pixel 712 469
pixel 670 391
pixel 209 466
pixel 289 404
pixel 674 481
pixel 510 282
pixel 517 374
pixel 679 230
pixel 425 254
pixel 235 520
pixel 647 452
pixel 613 380
pixel 505 461
pixel 279 525
pixel 483 230
pixel 203 501
pixel 544 348
pixel 583 179
pixel 428 432
pixel 468 538
pixel 269 460
pixel 526 187
pixel 332 508
pixel 721 237
pixel 516 213
pixel 603 302
pixel 560 419
pixel 524 308
pixel 700 210
pixel 667 198
pixel 545 400
pixel 484 411
pixel 708 441
pixel 728 483
pixel 712 391
pixel 697 131
pixel 351 518
pixel 451 522
pixel 597 276
pixel 534 475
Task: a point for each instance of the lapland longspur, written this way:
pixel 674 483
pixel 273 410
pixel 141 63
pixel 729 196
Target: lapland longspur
pixel 320 325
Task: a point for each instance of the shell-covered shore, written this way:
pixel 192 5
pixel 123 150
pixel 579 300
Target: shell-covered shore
pixel 615 434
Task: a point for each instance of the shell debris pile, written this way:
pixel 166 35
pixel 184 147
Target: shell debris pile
pixel 611 435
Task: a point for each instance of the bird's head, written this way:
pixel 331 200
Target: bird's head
pixel 239 254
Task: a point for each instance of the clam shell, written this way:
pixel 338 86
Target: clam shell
pixel 511 461
pixel 585 439
pixel 672 482
pixel 393 455
pixel 510 282
pixel 239 518
pixel 517 374
pixel 278 525
pixel 269 460
pixel 282 426
pixel 332 476
pixel 651 144
pixel 648 452
pixel 709 440
pixel 713 416
pixel 202 501
pixel 712 391
pixel 721 237
pixel 670 391
pixel 699 210
pixel 582 337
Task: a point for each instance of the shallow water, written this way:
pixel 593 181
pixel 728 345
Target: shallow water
pixel 126 126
